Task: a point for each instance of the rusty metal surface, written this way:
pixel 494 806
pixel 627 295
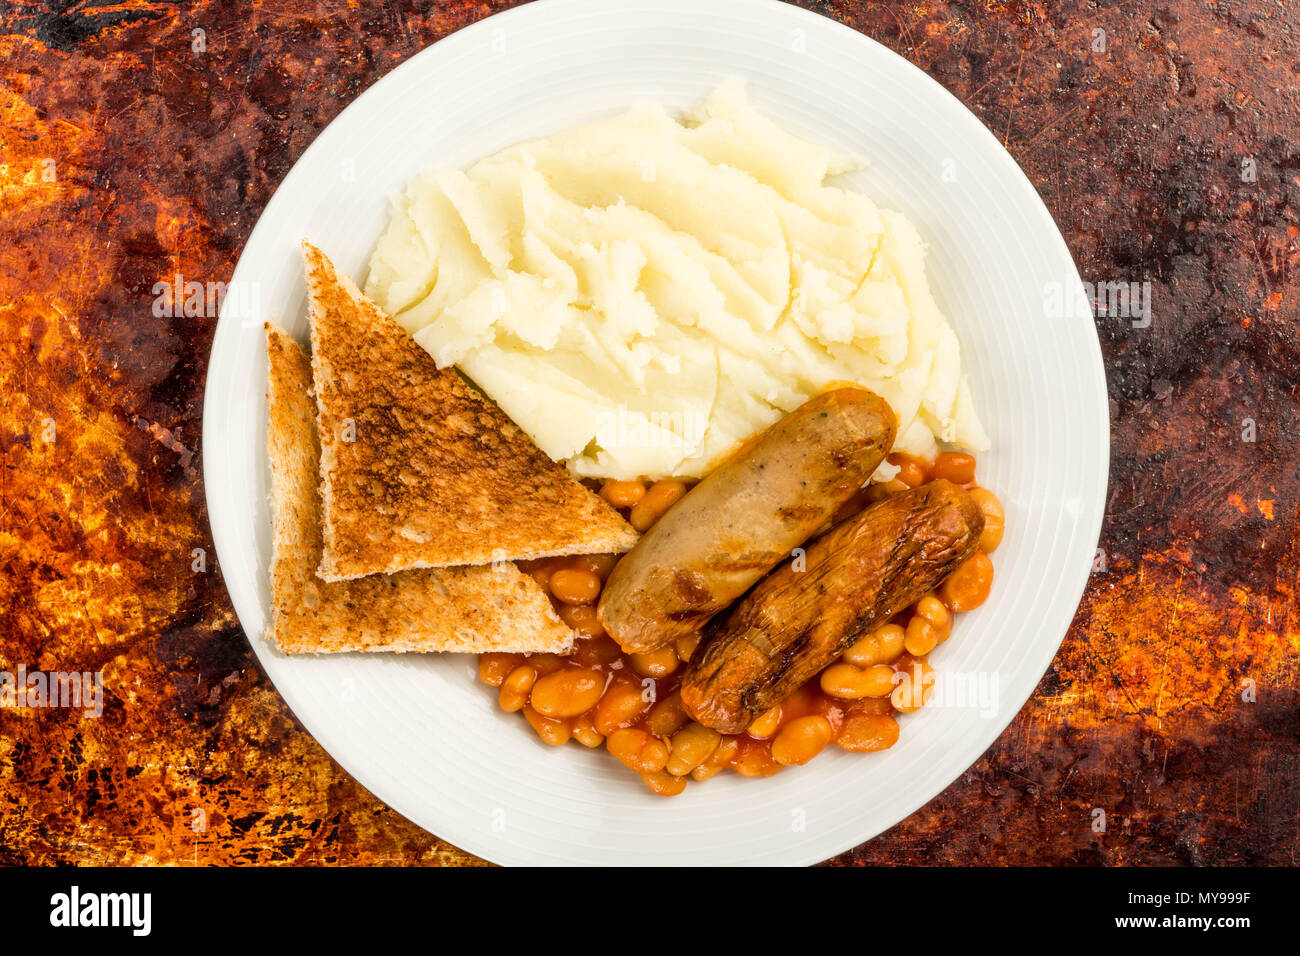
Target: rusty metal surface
pixel 135 148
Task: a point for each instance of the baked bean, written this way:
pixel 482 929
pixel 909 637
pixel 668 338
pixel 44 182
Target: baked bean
pixel 915 684
pixel 585 732
pixel 642 752
pixel 595 652
pixel 911 470
pixel 869 705
pixel 995 519
pixel 833 709
pixel 956 466
pixel 598 564
pixel 848 682
pixel 553 732
pixel 921 637
pixel 843 681
pixel 575 586
pixel 657 663
pixel 515 688
pixel 754 759
pixel 546 663
pixel 567 693
pixel 685 646
pixel 804 701
pixel 621 705
pixel 801 740
pixel 661 496
pixel 906 661
pixel 622 494
pixel 765 724
pixel 493 668
pixel 863 733
pixel 664 784
pixel 582 618
pixel 937 613
pixel 690 747
pixel 668 716
pixel 968 587
pixel 719 760
pixel 542 575
pixel 881 646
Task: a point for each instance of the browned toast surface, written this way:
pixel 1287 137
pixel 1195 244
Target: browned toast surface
pixel 453 609
pixel 420 469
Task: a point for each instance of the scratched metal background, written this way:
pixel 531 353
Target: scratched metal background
pixel 129 155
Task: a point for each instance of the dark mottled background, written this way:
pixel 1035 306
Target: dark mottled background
pixel 131 152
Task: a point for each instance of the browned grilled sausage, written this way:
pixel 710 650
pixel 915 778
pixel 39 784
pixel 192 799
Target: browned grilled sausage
pixel 747 515
pixel 858 575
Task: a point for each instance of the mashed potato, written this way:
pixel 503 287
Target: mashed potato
pixel 641 294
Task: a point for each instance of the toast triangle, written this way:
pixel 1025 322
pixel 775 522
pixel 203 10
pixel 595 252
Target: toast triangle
pixel 418 468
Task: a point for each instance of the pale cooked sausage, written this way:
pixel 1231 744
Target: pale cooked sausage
pixel 857 576
pixel 745 517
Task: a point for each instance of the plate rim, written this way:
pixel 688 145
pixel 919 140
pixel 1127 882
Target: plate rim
pixel 1092 369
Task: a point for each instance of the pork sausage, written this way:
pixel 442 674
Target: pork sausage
pixel 857 576
pixel 747 515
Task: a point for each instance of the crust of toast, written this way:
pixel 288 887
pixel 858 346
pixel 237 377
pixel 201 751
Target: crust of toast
pixel 491 608
pixel 418 468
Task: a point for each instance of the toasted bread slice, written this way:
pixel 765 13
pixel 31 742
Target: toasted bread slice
pixel 418 468
pixel 451 609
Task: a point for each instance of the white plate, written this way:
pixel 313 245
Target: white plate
pixel 420 732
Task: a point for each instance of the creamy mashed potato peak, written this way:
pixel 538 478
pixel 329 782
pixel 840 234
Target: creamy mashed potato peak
pixel 642 293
